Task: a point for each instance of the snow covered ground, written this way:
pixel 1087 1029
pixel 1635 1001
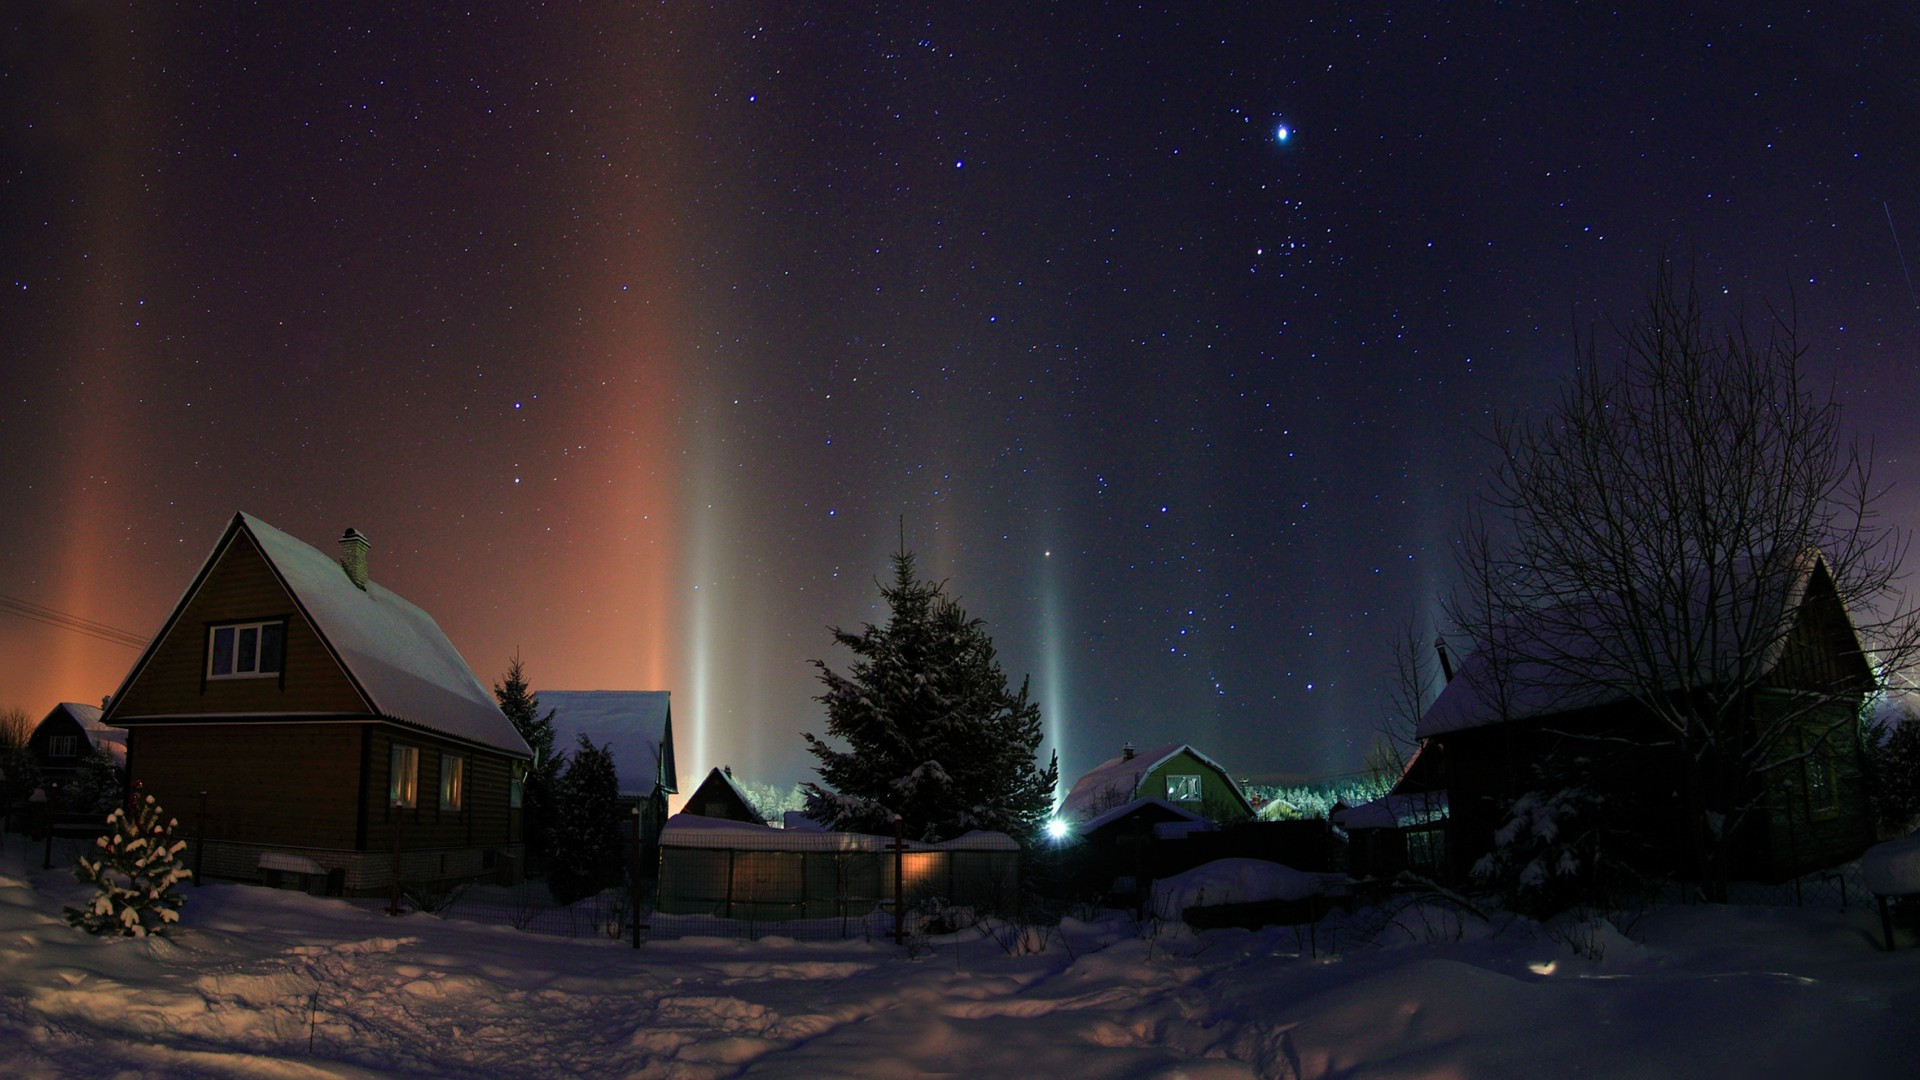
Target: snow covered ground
pixel 276 984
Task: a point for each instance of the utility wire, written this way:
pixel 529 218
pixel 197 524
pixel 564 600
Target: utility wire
pixel 27 609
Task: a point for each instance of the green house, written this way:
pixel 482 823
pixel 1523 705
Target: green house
pixel 1175 774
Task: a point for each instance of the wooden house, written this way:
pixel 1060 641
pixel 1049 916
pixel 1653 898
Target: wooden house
pixel 1176 773
pixel 637 725
pixel 1493 725
pixel 61 741
pixel 719 797
pixel 298 717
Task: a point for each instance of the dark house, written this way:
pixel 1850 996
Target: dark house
pixel 719 797
pixel 1804 792
pixel 637 725
pixel 307 721
pixel 63 739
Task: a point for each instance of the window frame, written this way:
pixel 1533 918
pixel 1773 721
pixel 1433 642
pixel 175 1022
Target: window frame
pixel 1821 783
pixel 403 796
pixel 63 746
pixel 1178 782
pixel 453 782
pixel 231 653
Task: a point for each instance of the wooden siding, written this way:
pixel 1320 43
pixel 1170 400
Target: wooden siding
pixel 240 586
pixel 1217 800
pixel 287 784
pixel 483 820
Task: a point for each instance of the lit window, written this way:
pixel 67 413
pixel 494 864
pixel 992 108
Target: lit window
pixel 403 777
pixel 453 781
pixel 246 650
pixel 1183 788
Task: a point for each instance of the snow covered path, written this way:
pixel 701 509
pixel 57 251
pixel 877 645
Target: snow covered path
pixel 263 983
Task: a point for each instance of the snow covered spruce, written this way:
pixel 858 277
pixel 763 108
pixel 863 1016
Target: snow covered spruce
pixel 136 872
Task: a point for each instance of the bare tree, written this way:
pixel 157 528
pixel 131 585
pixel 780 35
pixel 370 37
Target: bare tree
pixel 15 727
pixel 1653 539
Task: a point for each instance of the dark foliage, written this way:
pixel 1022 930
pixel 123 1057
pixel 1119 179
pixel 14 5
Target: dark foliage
pixel 585 851
pixel 932 731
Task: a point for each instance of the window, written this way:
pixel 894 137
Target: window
pixel 1183 788
pixel 517 787
pixel 1823 795
pixel 60 746
pixel 453 781
pixel 246 650
pixel 403 777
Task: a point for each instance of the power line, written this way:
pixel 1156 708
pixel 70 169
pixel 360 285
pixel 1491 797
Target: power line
pixel 27 609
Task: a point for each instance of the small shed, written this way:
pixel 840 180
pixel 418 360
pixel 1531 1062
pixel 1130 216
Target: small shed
pixel 1397 832
pixel 738 870
pixel 719 797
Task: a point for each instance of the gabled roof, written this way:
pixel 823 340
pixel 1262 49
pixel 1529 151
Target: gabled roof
pixel 1117 780
pixel 1395 811
pixel 1560 658
pixel 114 740
pixel 720 781
pixel 396 656
pixel 636 724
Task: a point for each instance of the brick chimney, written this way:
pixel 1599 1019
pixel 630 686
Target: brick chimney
pixel 1126 752
pixel 353 556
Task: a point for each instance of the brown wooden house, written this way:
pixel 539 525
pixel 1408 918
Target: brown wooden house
pixel 304 719
pixel 64 738
pixel 1793 750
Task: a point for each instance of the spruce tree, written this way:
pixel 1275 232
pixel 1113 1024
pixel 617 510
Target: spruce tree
pixel 136 871
pixel 932 731
pixel 585 853
pixel 522 707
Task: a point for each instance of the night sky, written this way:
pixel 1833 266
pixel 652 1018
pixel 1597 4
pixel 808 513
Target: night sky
pixel 631 335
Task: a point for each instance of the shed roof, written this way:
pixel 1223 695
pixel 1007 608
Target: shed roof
pixel 636 724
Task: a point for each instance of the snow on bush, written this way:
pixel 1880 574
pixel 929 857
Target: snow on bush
pixel 1892 868
pixel 1234 881
pixel 135 872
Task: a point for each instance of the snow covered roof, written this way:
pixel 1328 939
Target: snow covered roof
pixel 1394 811
pixel 637 724
pixel 395 652
pixel 1561 659
pixel 1118 812
pixel 693 831
pixel 396 656
pixel 1118 780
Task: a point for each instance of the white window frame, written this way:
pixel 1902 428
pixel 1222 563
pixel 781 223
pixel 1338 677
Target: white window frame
pixel 236 632
pixel 1180 784
pixel 403 776
pixel 62 746
pixel 453 782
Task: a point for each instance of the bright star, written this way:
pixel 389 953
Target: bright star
pixel 1282 133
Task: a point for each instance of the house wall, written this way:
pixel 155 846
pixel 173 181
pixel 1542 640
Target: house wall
pixel 240 586
pixel 483 821
pixel 1217 798
pixel 1800 830
pixel 290 784
pixel 39 745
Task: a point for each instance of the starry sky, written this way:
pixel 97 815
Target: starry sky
pixel 636 336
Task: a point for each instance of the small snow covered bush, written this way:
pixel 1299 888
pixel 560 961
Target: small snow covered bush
pixel 136 871
pixel 1555 852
